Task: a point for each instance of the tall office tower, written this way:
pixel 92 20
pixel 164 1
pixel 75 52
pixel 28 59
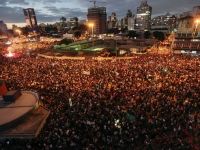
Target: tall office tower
pixel 167 22
pixel 112 21
pixel 3 27
pixel 73 22
pixel 129 13
pixel 131 23
pixel 30 17
pixel 113 16
pixel 196 11
pixel 143 17
pixel 129 20
pixel 187 23
pixel 98 17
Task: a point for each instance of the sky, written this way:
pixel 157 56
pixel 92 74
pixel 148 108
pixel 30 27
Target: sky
pixel 52 10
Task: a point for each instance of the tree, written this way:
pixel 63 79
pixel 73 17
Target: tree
pixel 132 34
pixel 159 35
pixel 147 34
pixel 51 29
pixel 113 30
pixel 83 28
pixel 124 29
pixel 25 30
pixel 77 34
pixel 66 41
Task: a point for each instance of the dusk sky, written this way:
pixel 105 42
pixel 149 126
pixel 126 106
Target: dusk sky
pixel 52 10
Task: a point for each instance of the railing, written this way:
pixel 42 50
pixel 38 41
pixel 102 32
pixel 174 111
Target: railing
pixel 186 45
pixel 187 35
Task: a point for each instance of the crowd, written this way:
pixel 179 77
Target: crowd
pixel 147 102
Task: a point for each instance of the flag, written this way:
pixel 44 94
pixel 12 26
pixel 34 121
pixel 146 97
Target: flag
pixel 3 88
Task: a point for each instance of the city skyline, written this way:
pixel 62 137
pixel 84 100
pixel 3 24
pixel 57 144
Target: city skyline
pixel 50 11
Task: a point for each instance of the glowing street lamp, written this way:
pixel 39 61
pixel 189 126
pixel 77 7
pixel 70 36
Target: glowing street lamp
pixel 197 22
pixel 91 25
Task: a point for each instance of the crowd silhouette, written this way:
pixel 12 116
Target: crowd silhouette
pixel 147 102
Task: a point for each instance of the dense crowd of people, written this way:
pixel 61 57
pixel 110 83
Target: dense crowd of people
pixel 147 102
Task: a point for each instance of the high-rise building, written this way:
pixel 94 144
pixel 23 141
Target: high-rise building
pixel 131 23
pixel 112 21
pixel 130 20
pixel 129 13
pixel 113 16
pixel 73 22
pixel 98 17
pixel 3 27
pixel 196 11
pixel 30 17
pixel 188 32
pixel 166 22
pixel 187 23
pixel 143 16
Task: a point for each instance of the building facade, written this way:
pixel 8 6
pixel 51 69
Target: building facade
pixel 187 23
pixel 98 17
pixel 30 17
pixel 187 37
pixel 143 17
pixel 130 18
pixel 3 27
pixel 166 23
pixel 73 22
pixel 112 21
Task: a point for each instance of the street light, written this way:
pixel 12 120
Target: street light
pixel 197 22
pixel 91 25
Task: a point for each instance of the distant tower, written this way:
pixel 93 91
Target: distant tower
pixel 73 22
pixel 143 17
pixel 98 16
pixel 30 17
pixel 3 27
pixel 112 21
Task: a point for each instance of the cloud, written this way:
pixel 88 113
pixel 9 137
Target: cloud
pixel 52 10
pixel 10 2
pixel 173 6
pixel 67 12
pixel 15 15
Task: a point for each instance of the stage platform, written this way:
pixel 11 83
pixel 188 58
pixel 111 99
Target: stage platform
pixel 23 118
pixel 29 128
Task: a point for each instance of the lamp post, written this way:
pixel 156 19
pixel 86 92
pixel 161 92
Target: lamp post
pixel 91 25
pixel 196 26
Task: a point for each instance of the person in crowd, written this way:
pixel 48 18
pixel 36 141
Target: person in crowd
pixel 147 102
